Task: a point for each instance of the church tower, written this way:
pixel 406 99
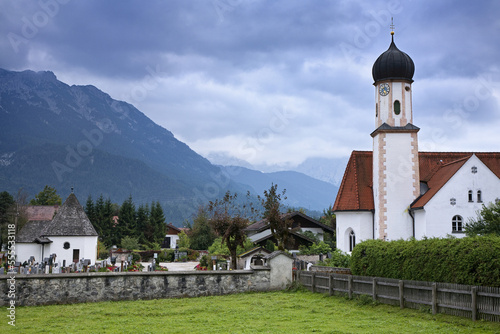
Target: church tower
pixel 396 181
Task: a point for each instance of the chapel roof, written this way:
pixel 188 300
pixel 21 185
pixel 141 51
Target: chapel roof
pixel 435 168
pixel 70 220
pixel 31 230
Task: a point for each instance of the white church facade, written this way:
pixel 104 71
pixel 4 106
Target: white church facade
pixel 395 191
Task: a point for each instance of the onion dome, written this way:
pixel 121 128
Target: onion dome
pixel 393 64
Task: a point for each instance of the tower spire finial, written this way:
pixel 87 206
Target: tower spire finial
pixel 392 26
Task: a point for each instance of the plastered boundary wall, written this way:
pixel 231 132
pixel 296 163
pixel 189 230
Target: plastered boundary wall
pixel 96 287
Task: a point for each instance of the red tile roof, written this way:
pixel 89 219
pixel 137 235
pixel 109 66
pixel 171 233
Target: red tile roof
pixel 356 190
pixel 41 212
pixel 435 168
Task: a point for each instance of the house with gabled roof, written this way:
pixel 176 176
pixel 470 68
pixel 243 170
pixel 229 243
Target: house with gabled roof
pixel 69 235
pixel 259 232
pixel 395 191
pixel 171 236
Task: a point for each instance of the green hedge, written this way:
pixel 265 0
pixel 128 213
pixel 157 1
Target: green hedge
pixel 470 260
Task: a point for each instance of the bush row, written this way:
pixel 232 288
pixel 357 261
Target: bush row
pixel 470 260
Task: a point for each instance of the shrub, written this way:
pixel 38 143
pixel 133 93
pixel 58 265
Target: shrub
pixel 470 260
pixel 338 259
pixel 135 257
pixel 315 249
pixel 205 261
pixel 130 243
pixel 166 255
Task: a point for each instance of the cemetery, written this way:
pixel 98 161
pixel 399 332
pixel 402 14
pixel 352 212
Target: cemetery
pixel 82 282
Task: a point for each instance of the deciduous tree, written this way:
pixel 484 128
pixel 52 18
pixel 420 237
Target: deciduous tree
pixel 487 221
pixel 280 226
pixel 229 221
pixel 48 196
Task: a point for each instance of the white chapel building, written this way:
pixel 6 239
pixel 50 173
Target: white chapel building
pixel 69 235
pixel 395 191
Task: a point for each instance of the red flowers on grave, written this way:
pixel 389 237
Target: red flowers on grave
pixel 200 267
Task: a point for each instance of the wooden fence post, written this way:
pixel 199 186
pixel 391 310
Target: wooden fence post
pixel 473 292
pixel 313 282
pixel 374 289
pixel 349 286
pixel 330 287
pixel 434 298
pixel 401 295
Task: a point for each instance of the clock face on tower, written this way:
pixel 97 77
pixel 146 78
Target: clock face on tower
pixel 384 89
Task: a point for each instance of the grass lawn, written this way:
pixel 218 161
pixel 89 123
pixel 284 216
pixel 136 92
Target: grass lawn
pixel 272 312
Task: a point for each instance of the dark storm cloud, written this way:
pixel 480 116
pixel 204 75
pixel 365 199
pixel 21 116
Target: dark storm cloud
pixel 230 64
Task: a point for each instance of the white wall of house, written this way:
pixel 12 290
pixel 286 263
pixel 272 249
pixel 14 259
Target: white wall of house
pixel 25 250
pixel 87 246
pixel 173 239
pixel 361 222
pixel 436 220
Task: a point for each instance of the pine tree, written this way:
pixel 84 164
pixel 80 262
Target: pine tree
pixel 143 225
pixel 91 214
pixel 201 233
pixel 126 220
pixel 157 219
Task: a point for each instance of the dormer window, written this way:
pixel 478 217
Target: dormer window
pixel 479 198
pixel 397 107
pixel 470 196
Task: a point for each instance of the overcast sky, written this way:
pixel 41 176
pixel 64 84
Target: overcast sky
pixel 271 82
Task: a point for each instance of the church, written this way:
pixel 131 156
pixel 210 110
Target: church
pixel 396 192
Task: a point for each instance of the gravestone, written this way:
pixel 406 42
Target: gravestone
pixel 55 269
pixel 47 268
pixel 21 270
pixel 1 271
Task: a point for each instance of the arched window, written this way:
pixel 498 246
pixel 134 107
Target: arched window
pixel 479 197
pixel 456 224
pixel 470 196
pixel 352 240
pixel 376 109
pixel 397 107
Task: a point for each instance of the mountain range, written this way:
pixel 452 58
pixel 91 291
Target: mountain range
pixel 78 136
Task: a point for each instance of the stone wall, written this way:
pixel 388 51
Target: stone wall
pixel 96 287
